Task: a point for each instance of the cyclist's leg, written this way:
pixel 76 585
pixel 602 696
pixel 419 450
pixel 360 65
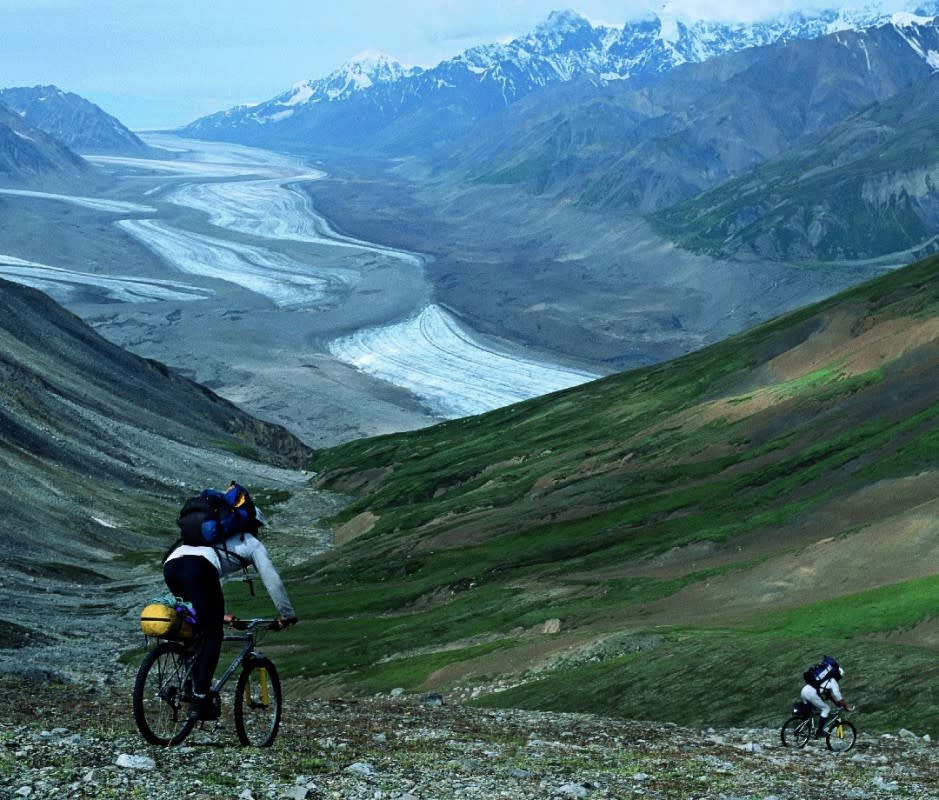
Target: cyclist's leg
pixel 196 579
pixel 811 695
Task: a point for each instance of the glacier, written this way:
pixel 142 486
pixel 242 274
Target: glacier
pixel 252 192
pixel 63 284
pixel 450 368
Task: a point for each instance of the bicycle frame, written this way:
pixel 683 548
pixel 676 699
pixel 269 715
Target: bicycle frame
pixel 840 735
pixel 830 722
pixel 249 639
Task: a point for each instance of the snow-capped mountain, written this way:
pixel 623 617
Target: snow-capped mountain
pixel 358 75
pixel 367 100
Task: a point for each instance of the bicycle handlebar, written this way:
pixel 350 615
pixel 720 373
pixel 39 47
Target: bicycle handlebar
pixel 255 623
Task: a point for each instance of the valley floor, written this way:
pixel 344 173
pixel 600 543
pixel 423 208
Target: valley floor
pixel 304 297
pixel 79 741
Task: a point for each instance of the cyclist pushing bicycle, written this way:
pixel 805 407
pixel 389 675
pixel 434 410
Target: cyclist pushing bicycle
pixel 218 539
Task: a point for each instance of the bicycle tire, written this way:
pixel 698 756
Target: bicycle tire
pixel 161 714
pixel 258 703
pixel 841 737
pixel 796 732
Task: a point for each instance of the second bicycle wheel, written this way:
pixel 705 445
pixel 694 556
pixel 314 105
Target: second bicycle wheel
pixel 258 703
pixel 161 714
pixel 796 732
pixel 841 737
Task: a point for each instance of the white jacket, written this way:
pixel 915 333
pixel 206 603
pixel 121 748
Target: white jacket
pixel 225 557
pixel 831 686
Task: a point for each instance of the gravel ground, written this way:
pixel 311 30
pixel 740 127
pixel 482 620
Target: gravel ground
pixel 79 742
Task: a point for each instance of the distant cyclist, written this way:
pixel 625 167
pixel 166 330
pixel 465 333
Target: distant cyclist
pixel 821 684
pixel 195 572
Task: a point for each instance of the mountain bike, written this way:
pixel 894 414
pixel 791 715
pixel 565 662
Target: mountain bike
pixel 163 696
pixel 840 735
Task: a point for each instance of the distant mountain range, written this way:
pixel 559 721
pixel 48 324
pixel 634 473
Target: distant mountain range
pixel 698 124
pixel 376 102
pixel 878 166
pixel 711 148
pixel 651 118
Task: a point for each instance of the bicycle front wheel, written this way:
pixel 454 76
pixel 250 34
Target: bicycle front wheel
pixel 796 732
pixel 841 737
pixel 258 703
pixel 161 714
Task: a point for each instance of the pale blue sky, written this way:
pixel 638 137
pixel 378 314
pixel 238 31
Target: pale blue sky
pixel 164 63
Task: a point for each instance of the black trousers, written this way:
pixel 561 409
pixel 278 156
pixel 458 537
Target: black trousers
pixel 195 579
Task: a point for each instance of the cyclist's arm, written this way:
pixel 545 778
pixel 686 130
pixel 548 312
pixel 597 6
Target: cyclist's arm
pixel 834 690
pixel 258 555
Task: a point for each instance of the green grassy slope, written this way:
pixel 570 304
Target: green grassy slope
pixel 676 542
pixel 855 192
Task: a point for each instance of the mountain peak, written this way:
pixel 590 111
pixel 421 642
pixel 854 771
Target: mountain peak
pixel 562 30
pixel 371 62
pixel 71 119
pixel 565 20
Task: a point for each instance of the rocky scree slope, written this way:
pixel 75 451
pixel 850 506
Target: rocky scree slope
pixel 79 742
pixel 99 448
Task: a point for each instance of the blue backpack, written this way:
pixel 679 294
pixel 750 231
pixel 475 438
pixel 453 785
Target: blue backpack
pixel 212 516
pixel 817 674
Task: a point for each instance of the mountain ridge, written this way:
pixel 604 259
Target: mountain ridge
pixel 72 120
pixel 487 78
pixel 31 158
pixel 78 411
pixel 881 159
pixel 722 118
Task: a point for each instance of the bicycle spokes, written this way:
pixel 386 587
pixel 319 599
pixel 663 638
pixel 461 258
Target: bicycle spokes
pixel 160 689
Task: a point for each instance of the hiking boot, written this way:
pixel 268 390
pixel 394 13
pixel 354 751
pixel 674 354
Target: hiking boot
pixel 205 707
pixel 212 707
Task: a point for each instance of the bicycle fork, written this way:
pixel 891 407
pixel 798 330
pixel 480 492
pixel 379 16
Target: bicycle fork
pixel 263 691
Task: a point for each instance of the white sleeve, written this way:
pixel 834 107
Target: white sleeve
pixel 835 689
pixel 253 550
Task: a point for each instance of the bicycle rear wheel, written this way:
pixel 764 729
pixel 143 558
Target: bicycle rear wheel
pixel 258 703
pixel 796 732
pixel 163 680
pixel 841 737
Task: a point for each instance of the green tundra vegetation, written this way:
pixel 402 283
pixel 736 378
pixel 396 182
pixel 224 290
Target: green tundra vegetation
pixel 676 542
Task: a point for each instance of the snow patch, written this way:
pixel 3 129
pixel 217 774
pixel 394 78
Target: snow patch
pixel 278 116
pixel 302 93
